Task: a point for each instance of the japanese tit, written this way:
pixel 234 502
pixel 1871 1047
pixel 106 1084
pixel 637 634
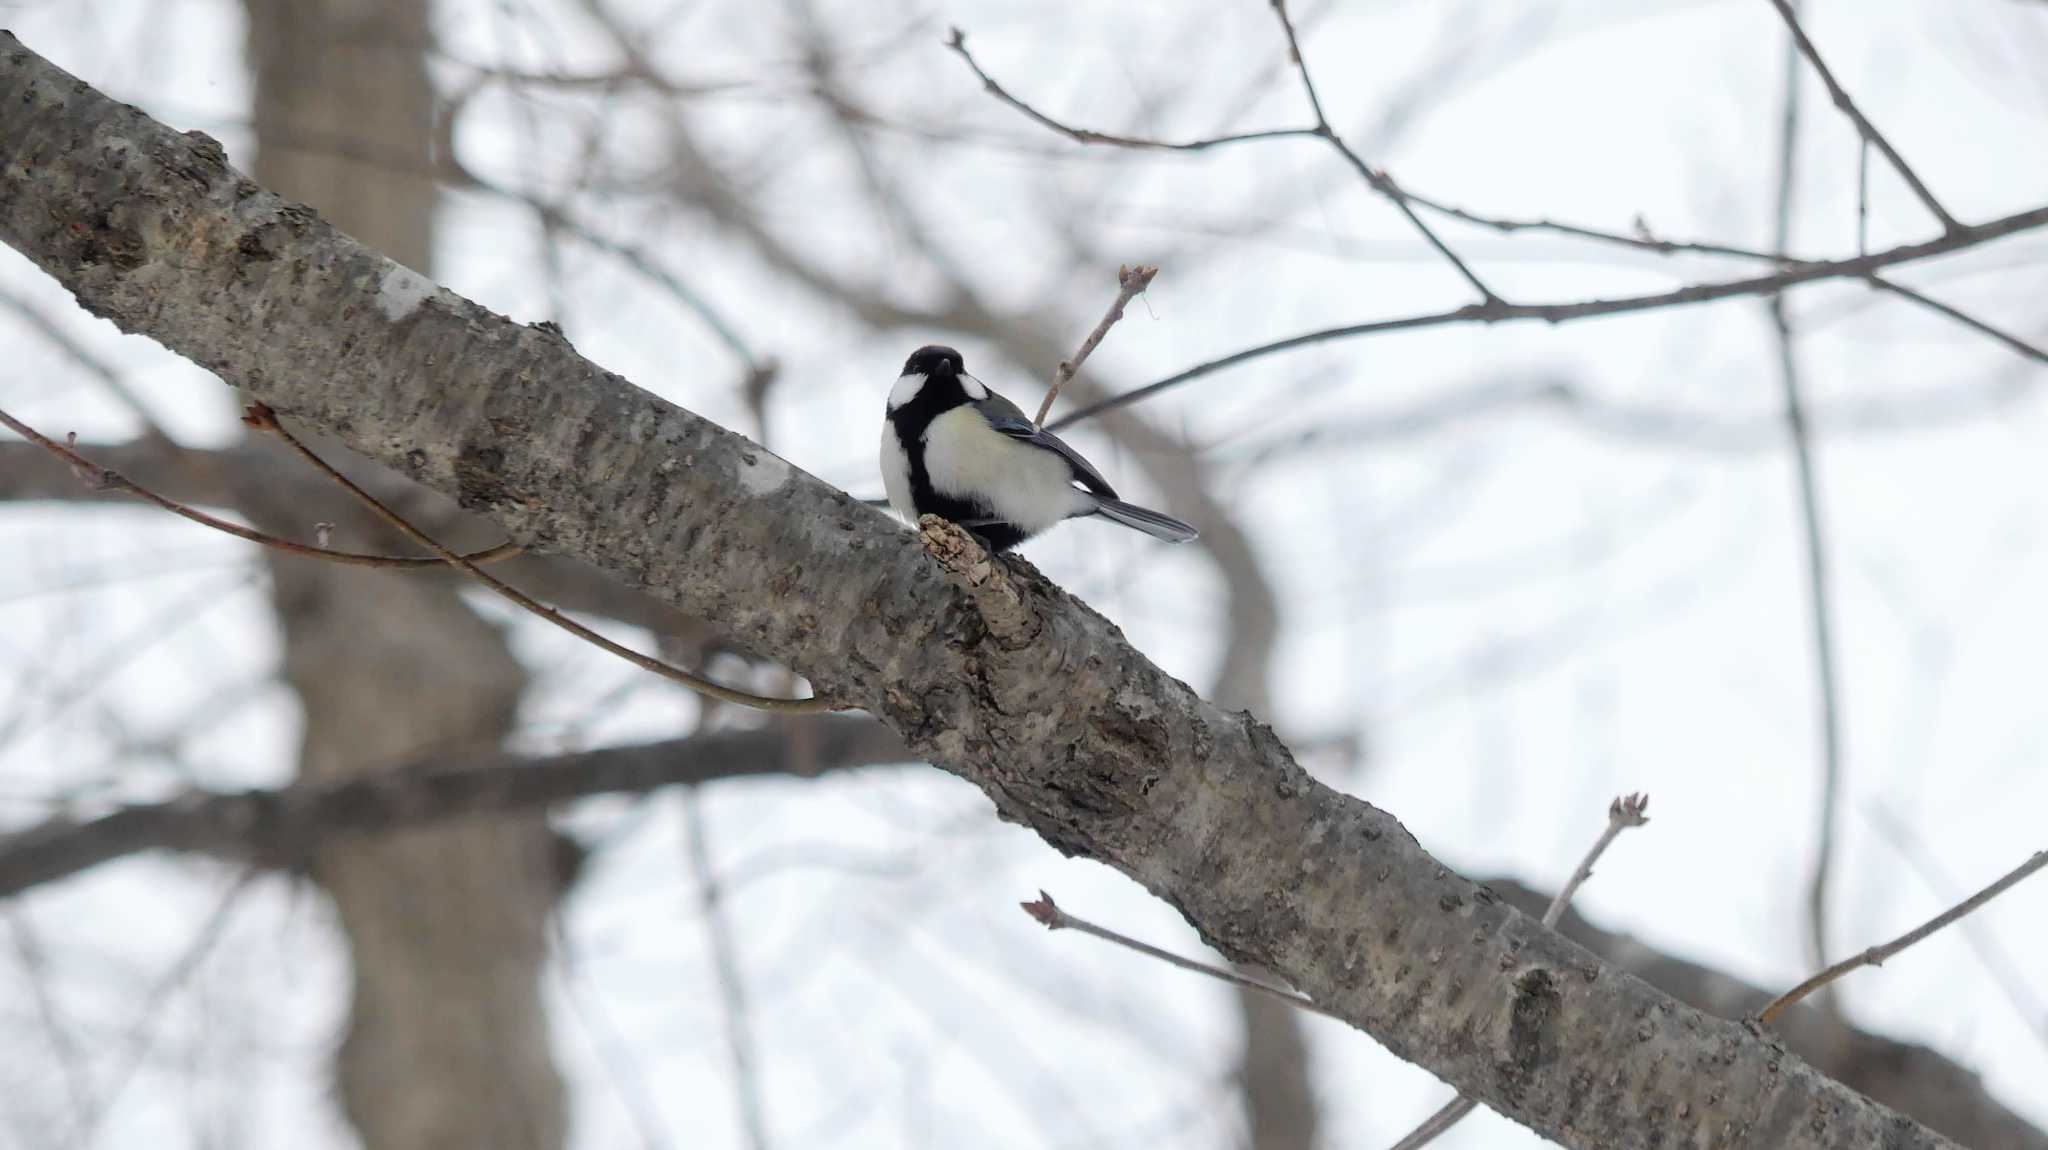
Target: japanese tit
pixel 954 449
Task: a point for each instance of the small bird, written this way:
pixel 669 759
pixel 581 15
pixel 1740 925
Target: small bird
pixel 954 449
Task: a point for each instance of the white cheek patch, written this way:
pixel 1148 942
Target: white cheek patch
pixel 975 389
pixel 906 389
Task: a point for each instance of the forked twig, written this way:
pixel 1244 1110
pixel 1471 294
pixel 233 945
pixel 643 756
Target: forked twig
pixel 1864 127
pixel 1378 180
pixel 1804 272
pixel 107 479
pixel 1623 813
pixel 262 418
pixel 1131 283
pixel 1876 955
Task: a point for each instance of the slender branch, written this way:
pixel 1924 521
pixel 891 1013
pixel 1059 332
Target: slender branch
pixel 1378 180
pixel 1624 812
pixel 1406 200
pixel 1131 282
pixel 1864 127
pixel 1813 534
pixel 957 41
pixel 261 418
pixel 1969 321
pixel 1053 918
pixel 1877 955
pixel 1980 938
pixel 106 479
pixel 1858 267
pixel 1642 239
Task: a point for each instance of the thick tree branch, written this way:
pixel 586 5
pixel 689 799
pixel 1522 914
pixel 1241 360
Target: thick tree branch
pixel 1073 734
pixel 282 828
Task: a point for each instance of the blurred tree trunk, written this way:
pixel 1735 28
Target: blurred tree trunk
pixel 447 1043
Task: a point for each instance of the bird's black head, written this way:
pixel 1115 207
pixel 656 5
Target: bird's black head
pixel 935 378
pixel 934 360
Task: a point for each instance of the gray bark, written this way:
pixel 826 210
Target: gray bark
pixel 1015 686
pixel 447 1042
pixel 1913 1079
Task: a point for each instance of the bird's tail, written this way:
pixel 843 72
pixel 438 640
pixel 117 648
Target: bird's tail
pixel 1150 522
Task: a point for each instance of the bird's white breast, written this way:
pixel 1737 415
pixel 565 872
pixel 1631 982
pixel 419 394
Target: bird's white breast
pixel 896 472
pixel 1025 485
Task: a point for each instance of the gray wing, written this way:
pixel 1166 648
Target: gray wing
pixel 1007 418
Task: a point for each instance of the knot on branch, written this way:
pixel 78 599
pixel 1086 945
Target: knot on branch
pixel 978 572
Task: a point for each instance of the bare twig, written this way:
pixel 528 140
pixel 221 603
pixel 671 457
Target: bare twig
pixel 262 418
pixel 1858 267
pixel 106 479
pixel 1378 180
pixel 1624 812
pixel 957 41
pixel 1980 938
pixel 1131 283
pixel 1049 913
pixel 1864 127
pixel 1407 200
pixel 1876 955
pixel 1642 239
pixel 1969 321
pixel 1827 686
pixel 1646 241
